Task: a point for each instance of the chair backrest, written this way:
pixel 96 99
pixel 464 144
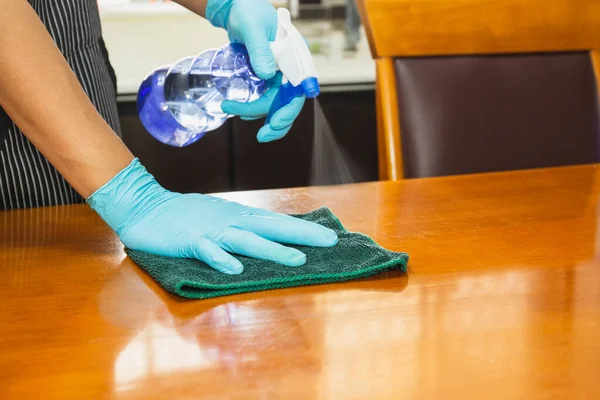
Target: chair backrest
pixel 484 85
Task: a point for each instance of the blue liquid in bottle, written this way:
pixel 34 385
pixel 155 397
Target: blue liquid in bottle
pixel 170 120
pixel 179 104
pixel 156 115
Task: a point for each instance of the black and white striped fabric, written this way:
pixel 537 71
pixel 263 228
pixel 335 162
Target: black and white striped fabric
pixel 26 178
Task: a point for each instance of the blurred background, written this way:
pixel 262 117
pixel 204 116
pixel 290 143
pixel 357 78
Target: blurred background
pixel 142 34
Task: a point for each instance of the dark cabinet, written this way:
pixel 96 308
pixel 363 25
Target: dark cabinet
pixel 289 162
pixel 231 158
pixel 204 167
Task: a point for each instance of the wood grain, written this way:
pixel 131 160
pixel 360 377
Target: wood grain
pixel 391 166
pixel 443 27
pixel 501 302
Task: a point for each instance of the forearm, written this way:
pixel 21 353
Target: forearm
pixel 43 97
pixel 197 6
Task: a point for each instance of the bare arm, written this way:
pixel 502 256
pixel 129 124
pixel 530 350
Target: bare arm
pixel 42 95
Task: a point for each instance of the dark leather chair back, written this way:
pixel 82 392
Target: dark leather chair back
pixel 492 113
pixel 469 86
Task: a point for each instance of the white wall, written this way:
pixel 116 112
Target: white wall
pixel 141 36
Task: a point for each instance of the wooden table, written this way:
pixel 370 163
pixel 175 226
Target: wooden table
pixel 502 301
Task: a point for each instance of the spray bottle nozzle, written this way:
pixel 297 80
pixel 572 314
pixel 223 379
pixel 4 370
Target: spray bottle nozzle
pixel 294 60
pixel 311 87
pixel 293 56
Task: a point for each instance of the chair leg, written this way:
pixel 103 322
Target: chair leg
pixel 388 122
pixel 595 54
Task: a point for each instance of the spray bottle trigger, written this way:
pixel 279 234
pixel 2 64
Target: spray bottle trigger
pixel 287 93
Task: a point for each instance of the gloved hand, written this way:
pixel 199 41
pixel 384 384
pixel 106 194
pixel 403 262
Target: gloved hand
pixel 254 24
pixel 280 122
pixel 149 218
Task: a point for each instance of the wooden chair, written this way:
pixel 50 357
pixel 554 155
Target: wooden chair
pixel 484 85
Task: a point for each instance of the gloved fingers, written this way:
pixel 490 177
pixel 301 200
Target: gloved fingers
pixel 285 229
pixel 209 252
pixel 248 244
pixel 281 122
pixel 250 118
pixel 254 109
pixel 267 134
pixel 286 115
pixel 261 56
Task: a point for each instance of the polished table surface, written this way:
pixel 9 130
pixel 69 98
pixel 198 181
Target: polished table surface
pixel 502 301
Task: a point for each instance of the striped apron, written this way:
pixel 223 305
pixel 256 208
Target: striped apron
pixel 26 177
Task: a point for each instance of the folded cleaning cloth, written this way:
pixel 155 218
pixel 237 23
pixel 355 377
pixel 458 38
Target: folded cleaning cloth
pixel 355 256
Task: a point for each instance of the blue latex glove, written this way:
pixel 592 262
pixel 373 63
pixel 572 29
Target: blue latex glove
pixel 254 24
pixel 280 122
pixel 149 218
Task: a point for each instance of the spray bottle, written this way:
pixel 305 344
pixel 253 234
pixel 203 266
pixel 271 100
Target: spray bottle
pixel 178 104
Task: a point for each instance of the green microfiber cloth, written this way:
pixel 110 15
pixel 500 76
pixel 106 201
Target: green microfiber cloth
pixel 355 256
